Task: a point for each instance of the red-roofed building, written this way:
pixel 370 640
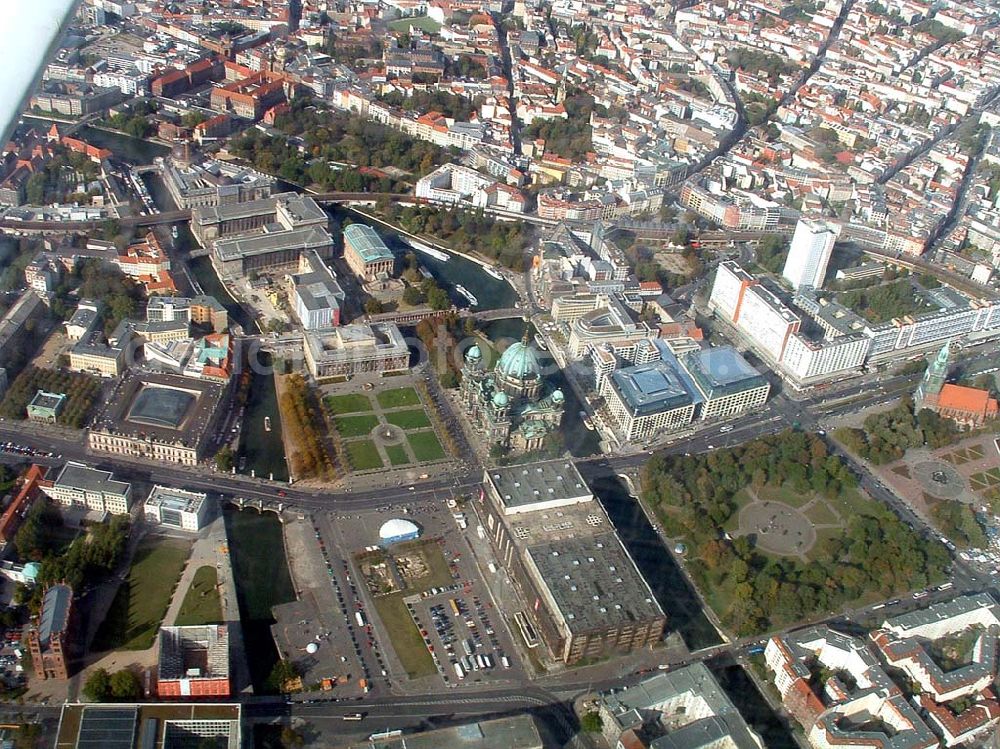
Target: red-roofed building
pixel 91 152
pixel 965 405
pixel 971 722
pixel 146 262
pixel 27 493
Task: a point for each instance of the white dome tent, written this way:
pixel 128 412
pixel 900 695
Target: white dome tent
pixel 396 530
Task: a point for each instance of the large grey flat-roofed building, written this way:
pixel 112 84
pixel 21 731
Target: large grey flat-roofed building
pixel 649 398
pixel 263 234
pixel 728 384
pixel 214 183
pixel 682 709
pixel 317 298
pixel 79 485
pixel 355 349
pixel 160 416
pixel 582 589
pixel 542 486
pixel 287 208
pixel 274 248
pixel 514 732
pixel 150 725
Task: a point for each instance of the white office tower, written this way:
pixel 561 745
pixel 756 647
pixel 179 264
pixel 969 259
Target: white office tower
pixel 810 253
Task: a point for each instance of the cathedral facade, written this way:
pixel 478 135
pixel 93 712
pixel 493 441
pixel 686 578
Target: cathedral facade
pixel 508 404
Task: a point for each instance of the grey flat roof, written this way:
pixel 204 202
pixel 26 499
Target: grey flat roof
pixel 301 208
pixel 211 214
pixel 643 704
pixel 318 290
pixel 113 419
pixel 594 582
pixel 205 647
pixel 107 727
pixel 522 486
pixel 651 388
pixel 308 237
pixel 79 476
pixel 721 371
pixel 84 317
pixel 176 499
pixel 941 611
pixel 55 612
pixel 515 732
pixel 43 399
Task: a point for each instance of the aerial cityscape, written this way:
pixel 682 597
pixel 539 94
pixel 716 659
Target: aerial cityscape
pixel 500 374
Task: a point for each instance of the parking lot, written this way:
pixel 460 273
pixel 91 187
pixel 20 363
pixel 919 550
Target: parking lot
pixel 459 629
pixel 474 639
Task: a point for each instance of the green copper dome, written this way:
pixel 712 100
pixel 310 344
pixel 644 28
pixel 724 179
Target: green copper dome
pixel 520 362
pixel 474 354
pixel 500 399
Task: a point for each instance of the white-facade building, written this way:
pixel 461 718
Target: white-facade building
pixel 805 359
pixel 809 253
pixel 79 485
pixel 176 508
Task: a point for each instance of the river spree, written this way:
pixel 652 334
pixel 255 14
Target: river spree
pixel 261 450
pixel 260 570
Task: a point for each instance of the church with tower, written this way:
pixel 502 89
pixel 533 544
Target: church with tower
pixel 969 407
pixel 509 404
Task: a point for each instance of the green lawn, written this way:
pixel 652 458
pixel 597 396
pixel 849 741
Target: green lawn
pixel 405 396
pixel 403 633
pixel 142 599
pixel 397 455
pixel 363 455
pixel 405 637
pixel 412 419
pixel 348 403
pixel 821 514
pixel 355 426
pixel 851 502
pixel 423 23
pixel 201 603
pixel 784 494
pixel 425 446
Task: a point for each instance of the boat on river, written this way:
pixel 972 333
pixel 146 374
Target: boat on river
pixel 421 247
pixel 267 423
pixel 467 294
pixel 493 272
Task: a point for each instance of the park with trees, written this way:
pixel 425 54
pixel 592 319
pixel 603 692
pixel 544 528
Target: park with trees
pixel 570 137
pixel 881 303
pixel 465 231
pixel 81 392
pixel 334 144
pixel 116 686
pixel 302 424
pixel 886 436
pixel 79 560
pixel 875 554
